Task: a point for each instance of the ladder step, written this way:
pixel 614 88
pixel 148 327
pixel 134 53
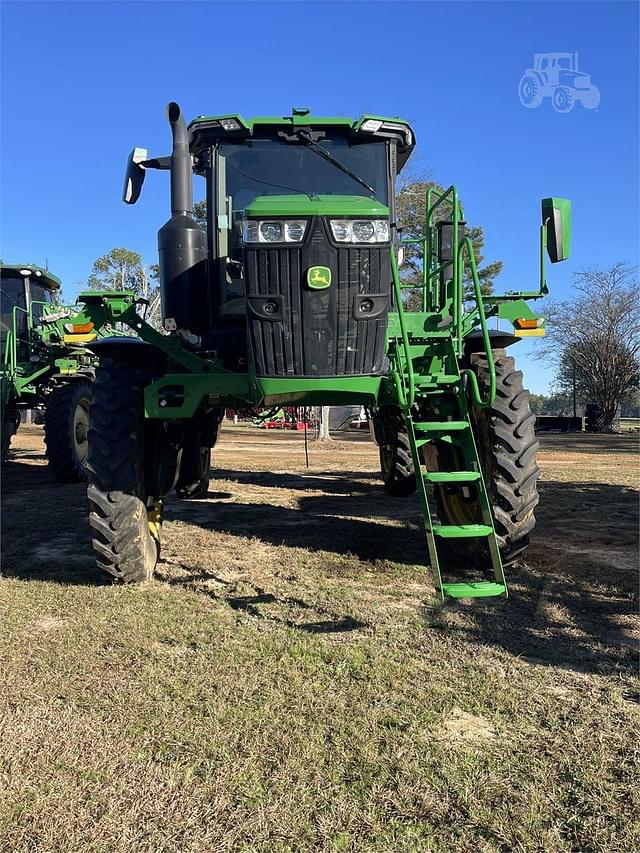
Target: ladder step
pixel 451 476
pixel 441 426
pixel 461 531
pixel 480 589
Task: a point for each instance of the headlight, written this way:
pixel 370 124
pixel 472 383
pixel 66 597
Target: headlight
pixel 273 230
pixel 294 231
pixel 360 230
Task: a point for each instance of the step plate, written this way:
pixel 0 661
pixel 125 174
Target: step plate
pixel 481 589
pixel 440 426
pixel 451 476
pixel 461 531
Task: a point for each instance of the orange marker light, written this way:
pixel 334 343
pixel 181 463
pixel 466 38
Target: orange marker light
pixel 521 323
pixel 81 328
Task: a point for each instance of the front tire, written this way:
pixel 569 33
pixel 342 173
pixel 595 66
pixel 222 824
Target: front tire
pixel 396 462
pixel 591 98
pixel 562 99
pixel 10 425
pixel 125 520
pixel 194 474
pixel 507 447
pixel 66 428
pixel 529 92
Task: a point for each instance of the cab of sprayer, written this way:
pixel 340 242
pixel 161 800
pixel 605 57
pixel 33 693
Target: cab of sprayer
pixel 296 251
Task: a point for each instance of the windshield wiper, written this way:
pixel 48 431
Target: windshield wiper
pixel 322 152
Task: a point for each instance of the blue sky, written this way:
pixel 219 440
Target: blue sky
pixel 84 82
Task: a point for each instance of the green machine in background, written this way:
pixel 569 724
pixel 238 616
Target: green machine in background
pixel 291 295
pixel 45 366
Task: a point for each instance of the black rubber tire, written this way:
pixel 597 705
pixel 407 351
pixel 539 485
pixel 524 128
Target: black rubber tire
pixel 396 462
pixel 10 425
pixel 507 447
pixel 529 92
pixel 119 508
pixel 199 481
pixel 563 99
pixel 65 440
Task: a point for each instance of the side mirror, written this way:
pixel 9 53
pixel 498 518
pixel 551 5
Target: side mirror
pixel 134 176
pixel 556 219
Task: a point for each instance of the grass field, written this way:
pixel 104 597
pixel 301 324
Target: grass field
pixel 289 682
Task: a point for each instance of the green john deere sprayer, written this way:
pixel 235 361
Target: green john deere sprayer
pixel 44 366
pixel 291 295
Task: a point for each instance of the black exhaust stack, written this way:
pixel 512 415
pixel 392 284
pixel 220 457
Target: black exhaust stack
pixel 182 243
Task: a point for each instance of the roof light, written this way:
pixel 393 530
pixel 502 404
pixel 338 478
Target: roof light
pixel 230 124
pixel 522 323
pixel 372 125
pixel 25 272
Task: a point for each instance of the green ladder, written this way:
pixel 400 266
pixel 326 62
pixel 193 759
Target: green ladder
pixel 457 432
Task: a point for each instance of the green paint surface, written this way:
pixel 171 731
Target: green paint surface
pixel 343 206
pixel 284 121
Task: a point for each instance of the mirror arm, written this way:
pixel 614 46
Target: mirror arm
pixel 163 163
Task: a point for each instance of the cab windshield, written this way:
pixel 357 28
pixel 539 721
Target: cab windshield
pixel 270 167
pixel 40 297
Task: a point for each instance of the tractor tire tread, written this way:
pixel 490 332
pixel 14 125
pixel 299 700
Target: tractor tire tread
pixel 399 478
pixel 59 436
pixel 123 545
pixel 511 472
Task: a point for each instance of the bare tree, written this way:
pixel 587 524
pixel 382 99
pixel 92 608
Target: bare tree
pixel 598 335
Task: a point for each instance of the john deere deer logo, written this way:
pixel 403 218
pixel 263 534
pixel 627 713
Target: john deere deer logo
pixel 318 277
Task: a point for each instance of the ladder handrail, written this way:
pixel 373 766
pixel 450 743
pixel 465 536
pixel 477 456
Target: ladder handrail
pixel 407 398
pixel 14 335
pixel 7 358
pixel 467 245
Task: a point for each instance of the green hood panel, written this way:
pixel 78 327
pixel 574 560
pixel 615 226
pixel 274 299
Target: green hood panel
pixel 347 206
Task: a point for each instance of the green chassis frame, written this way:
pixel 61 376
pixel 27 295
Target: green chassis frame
pixel 23 382
pixel 197 378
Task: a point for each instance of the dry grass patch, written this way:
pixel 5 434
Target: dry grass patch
pixel 289 683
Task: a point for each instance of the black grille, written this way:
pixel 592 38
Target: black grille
pixel 298 331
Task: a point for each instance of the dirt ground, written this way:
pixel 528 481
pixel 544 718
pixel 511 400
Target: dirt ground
pixel 281 558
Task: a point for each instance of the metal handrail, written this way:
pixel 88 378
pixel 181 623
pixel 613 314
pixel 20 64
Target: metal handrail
pixel 467 245
pixel 407 398
pixel 8 352
pixel 441 198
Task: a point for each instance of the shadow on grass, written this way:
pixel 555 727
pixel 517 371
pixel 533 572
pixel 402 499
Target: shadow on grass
pixel 257 606
pixel 45 525
pixel 571 601
pixel 346 482
pixel 334 625
pixel 566 602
